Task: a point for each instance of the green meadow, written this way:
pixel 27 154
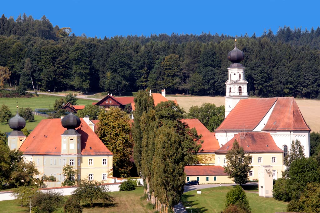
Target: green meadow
pixel 41 101
pixel 214 199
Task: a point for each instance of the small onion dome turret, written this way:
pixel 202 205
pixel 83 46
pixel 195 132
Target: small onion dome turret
pixel 235 55
pixel 70 121
pixel 17 122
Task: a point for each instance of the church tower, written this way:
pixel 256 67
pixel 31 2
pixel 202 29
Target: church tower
pixel 16 137
pixel 236 85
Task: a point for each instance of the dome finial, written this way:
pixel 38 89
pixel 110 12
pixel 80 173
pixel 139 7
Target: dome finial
pixel 235 42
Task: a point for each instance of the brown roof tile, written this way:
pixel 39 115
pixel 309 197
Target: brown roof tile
pixel 210 143
pixel 286 115
pixel 252 142
pixel 45 139
pixel 204 171
pixel 247 114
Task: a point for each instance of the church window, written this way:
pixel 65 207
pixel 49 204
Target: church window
pixel 285 150
pixel 229 89
pixel 240 90
pixel 239 76
pixel 71 162
pixel 230 77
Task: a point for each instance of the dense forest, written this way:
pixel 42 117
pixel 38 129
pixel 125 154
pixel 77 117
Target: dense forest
pixel 40 56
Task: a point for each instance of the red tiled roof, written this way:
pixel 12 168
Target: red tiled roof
pixel 247 114
pixel 78 107
pixel 157 99
pixel 114 101
pixel 286 115
pixel 204 171
pixel 45 139
pixel 210 143
pixel 125 100
pixel 252 142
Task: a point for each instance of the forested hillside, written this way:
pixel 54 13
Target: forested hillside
pixel 51 58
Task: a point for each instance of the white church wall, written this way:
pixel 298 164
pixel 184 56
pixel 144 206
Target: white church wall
pixel 264 121
pixel 224 137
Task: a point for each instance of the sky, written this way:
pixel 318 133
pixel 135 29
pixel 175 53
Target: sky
pixel 100 18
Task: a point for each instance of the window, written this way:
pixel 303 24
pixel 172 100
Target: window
pixel 273 159
pixel 239 76
pixel 38 161
pixel 250 159
pixel 198 178
pixel 250 173
pixel 214 178
pixel 71 162
pixel 229 89
pixel 259 159
pixel 240 90
pixel 285 150
pixel 224 160
pixel 207 178
pixel 90 176
pixel 104 161
pixel 188 178
pixel 104 176
pixel 72 146
pixel 51 160
pixel 90 162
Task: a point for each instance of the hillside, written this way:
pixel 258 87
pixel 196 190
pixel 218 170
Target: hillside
pixel 309 108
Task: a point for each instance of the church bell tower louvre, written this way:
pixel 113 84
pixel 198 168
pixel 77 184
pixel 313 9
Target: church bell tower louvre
pixel 236 85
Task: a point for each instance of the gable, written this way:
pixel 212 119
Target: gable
pixel 45 139
pixel 286 115
pixel 247 114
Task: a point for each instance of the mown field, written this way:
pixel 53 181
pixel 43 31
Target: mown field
pixel 42 101
pixel 213 200
pixel 310 109
pixel 124 202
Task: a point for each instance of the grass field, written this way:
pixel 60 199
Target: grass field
pixel 124 202
pixel 213 200
pixel 42 101
pixel 310 109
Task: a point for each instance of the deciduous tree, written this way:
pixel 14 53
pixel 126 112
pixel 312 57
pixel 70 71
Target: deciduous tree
pixel 238 164
pixel 4 75
pixel 5 113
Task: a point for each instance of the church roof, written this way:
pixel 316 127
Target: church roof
pixel 204 171
pixel 45 139
pixel 210 143
pixel 252 142
pixel 248 113
pixel 286 115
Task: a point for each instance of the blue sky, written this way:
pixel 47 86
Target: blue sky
pixel 111 18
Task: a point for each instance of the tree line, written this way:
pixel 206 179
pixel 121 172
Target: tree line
pixel 40 56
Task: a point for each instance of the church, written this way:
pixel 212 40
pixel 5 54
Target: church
pixel 263 127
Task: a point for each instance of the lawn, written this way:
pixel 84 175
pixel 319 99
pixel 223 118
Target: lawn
pixel 42 101
pixel 124 202
pixel 213 200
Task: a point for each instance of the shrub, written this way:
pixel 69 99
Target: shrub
pixel 72 205
pixel 282 190
pixel 23 194
pixel 5 113
pixel 46 202
pixel 237 197
pixel 234 209
pixel 128 185
pixel 26 113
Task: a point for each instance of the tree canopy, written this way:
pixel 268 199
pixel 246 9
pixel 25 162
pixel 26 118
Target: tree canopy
pixel 238 164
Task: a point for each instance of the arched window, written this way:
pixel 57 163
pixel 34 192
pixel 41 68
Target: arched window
pixel 229 89
pixel 239 76
pixel 240 90
pixel 285 150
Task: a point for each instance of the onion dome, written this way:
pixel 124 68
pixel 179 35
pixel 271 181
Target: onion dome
pixel 235 55
pixel 17 122
pixel 70 121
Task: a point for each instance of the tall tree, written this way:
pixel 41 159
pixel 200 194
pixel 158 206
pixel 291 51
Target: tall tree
pixel 114 131
pixel 295 153
pixel 5 113
pixel 238 164
pixel 4 75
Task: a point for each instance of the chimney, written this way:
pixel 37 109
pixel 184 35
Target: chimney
pixel 163 92
pixel 150 92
